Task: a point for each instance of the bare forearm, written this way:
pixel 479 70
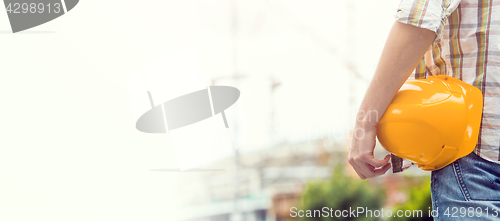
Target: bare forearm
pixel 404 48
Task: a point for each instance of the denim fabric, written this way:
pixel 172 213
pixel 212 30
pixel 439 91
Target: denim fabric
pixel 467 189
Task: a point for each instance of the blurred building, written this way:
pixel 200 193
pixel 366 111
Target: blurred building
pixel 270 182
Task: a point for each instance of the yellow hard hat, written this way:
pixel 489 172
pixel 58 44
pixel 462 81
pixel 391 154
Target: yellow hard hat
pixel 432 122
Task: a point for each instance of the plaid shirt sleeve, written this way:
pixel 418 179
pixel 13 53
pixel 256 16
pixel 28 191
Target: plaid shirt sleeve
pixel 428 14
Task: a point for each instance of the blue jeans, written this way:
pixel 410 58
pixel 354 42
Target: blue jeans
pixel 467 189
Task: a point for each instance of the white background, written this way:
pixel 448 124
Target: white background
pixel 68 146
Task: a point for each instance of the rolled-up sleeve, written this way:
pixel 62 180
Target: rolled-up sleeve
pixel 428 14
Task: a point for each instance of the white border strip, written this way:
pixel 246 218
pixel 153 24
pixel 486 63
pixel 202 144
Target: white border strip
pixel 63 3
pixel 210 98
pixel 164 117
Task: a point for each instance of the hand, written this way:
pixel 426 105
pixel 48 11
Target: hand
pixel 361 154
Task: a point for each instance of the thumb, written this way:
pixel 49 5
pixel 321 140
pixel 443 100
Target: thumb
pixel 379 163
